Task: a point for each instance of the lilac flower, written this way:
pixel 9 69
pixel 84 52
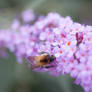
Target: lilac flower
pixel 28 16
pixel 15 25
pixel 69 42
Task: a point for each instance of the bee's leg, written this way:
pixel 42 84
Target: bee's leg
pixel 34 67
pixel 45 67
pixel 43 52
pixel 49 66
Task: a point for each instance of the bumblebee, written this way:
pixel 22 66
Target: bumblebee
pixel 42 61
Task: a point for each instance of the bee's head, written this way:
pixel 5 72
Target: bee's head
pixel 52 58
pixel 44 58
pixel 47 57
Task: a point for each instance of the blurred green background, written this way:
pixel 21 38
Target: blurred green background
pixel 16 77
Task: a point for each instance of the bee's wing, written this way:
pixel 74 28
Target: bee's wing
pixel 34 67
pixel 32 59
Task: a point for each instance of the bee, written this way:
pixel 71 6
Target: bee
pixel 42 61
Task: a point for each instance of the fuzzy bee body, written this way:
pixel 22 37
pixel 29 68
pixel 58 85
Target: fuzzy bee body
pixel 42 61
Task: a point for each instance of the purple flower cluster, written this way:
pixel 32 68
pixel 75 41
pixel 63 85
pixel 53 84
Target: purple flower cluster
pixel 68 41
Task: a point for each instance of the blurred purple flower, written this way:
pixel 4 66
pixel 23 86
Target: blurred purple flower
pixel 69 42
pixel 15 25
pixel 28 16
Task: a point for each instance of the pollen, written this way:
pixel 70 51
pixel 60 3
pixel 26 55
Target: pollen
pixel 89 39
pixel 59 41
pixel 70 30
pixel 83 54
pixel 61 51
pixel 72 49
pixel 68 43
